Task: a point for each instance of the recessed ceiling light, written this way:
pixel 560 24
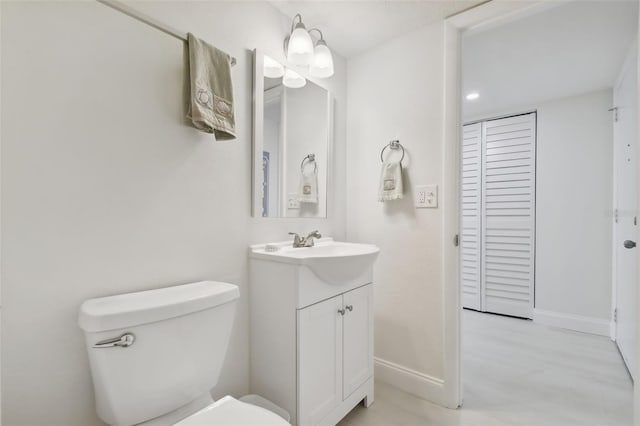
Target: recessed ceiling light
pixel 472 96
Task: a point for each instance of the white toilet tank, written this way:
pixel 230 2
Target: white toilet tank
pixel 154 351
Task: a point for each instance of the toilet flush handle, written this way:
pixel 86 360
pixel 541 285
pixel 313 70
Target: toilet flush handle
pixel 123 341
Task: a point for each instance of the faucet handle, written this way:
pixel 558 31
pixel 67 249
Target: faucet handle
pixel 297 240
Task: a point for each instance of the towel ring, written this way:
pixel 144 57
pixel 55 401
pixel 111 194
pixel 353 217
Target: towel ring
pixel 312 159
pixel 395 144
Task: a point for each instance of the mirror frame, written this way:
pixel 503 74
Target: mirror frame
pixel 258 142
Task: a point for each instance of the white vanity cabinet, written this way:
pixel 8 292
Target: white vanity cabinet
pixel 335 352
pixel 311 341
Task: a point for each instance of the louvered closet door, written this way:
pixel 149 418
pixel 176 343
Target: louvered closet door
pixel 508 219
pixel 471 214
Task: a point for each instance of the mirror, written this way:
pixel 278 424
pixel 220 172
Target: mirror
pixel 292 137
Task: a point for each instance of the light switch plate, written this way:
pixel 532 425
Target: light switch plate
pixel 426 196
pixel 292 201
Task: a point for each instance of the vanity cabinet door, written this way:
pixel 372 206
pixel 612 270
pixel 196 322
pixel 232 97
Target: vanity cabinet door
pixel 319 360
pixel 358 338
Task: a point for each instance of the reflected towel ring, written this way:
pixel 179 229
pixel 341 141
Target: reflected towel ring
pixel 395 144
pixel 312 159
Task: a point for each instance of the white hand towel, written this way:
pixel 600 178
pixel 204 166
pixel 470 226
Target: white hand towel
pixel 390 181
pixel 308 191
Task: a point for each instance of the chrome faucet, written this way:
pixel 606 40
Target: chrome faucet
pixel 307 241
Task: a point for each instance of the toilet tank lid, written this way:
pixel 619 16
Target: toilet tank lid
pixel 127 310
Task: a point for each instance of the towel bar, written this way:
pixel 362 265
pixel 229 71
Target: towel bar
pixel 394 144
pixel 133 13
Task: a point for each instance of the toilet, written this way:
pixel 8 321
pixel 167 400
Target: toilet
pixel 156 354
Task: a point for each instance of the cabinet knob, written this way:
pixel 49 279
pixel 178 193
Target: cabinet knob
pixel 341 311
pixel 349 308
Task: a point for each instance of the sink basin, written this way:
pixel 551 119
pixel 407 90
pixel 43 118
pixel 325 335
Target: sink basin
pixel 333 262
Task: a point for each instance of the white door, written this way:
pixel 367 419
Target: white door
pixel 319 360
pixel 508 215
pixel 471 214
pixel 625 134
pixel 357 337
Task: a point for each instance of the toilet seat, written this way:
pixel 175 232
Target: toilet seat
pixel 228 411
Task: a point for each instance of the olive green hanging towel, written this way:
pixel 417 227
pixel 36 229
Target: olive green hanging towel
pixel 211 101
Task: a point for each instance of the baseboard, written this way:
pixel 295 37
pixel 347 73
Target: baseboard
pixel 411 381
pixel 580 323
pixel 612 330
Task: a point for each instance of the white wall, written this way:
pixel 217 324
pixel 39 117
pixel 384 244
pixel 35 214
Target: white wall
pixel 574 199
pixel 106 189
pixel 396 91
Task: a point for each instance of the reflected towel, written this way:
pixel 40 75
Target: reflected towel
pixel 211 103
pixel 308 191
pixel 390 181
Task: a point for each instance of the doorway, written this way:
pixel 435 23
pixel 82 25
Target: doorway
pixel 578 161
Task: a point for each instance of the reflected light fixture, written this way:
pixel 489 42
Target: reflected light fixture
pixel 299 45
pixel 322 65
pixel 472 96
pixel 272 68
pixel 293 80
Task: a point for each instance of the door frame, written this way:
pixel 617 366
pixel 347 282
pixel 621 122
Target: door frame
pixel 489 14
pixel 613 331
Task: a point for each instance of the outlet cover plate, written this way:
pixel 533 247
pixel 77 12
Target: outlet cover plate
pixel 292 201
pixel 426 196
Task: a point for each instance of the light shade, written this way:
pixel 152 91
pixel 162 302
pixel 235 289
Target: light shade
pixel 293 80
pixel 272 68
pixel 472 96
pixel 300 48
pixel 322 65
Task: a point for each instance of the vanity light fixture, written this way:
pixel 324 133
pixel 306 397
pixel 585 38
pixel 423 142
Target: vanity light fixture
pixel 301 52
pixel 322 65
pixel 272 68
pixel 299 45
pixel 472 96
pixel 293 80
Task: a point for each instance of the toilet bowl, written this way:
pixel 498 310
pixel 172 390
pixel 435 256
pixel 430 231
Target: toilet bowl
pixel 156 354
pixel 229 411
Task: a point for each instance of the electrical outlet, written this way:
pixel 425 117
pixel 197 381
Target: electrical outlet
pixel 426 196
pixel 292 201
pixel 421 197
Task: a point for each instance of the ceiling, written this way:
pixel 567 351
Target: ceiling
pixel 574 48
pixel 351 27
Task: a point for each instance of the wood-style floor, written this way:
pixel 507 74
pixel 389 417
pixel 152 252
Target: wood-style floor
pixel 517 373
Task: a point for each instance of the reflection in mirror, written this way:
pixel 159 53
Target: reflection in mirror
pixel 291 146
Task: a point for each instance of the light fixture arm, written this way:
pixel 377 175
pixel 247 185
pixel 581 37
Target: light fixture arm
pixel 293 22
pixel 318 30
